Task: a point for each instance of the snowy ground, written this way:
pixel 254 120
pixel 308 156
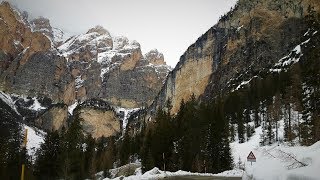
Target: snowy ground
pixel 278 161
pixel 284 162
pixel 35 139
pixel 155 173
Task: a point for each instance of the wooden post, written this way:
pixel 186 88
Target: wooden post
pixel 164 163
pixel 22 172
pixel 24 145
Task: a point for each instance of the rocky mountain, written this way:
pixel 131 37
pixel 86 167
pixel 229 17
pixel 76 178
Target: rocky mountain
pixel 121 65
pixel 37 61
pixel 245 43
pixel 250 83
pixel 42 24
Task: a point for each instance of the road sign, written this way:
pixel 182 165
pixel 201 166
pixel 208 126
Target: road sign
pixel 251 157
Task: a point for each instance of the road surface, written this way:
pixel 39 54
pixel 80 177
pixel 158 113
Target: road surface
pixel 202 178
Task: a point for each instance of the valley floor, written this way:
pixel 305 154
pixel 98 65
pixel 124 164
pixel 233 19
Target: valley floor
pixel 278 161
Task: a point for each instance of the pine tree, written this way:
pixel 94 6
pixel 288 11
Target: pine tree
pixel 73 147
pixel 269 125
pixel 10 143
pixel 288 132
pixel 276 113
pixel 232 133
pixel 47 165
pixel 147 158
pixel 125 150
pixel 240 128
pixel 162 138
pixel 89 156
pixel 249 131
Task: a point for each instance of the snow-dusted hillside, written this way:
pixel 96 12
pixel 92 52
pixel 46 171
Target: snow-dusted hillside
pixel 35 137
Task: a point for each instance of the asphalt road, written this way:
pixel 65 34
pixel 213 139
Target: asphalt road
pixel 202 178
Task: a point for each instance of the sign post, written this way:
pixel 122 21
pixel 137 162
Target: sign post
pixel 164 163
pixel 251 157
pixel 24 145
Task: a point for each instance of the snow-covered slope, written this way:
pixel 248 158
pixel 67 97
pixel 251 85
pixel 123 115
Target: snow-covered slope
pixel 35 139
pixel 284 162
pixel 277 161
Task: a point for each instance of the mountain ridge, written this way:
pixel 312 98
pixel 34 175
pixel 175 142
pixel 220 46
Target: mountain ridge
pixel 38 61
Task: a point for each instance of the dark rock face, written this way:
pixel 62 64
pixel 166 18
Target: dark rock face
pixel 41 68
pixel 5 61
pixel 246 41
pixel 131 88
pixel 53 119
pixel 44 74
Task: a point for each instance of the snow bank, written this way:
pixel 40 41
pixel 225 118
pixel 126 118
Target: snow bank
pixel 277 161
pixel 156 173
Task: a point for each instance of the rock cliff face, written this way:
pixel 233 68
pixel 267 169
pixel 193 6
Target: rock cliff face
pixel 100 123
pixel 35 61
pixel 17 39
pixel 54 119
pixel 98 118
pixel 250 39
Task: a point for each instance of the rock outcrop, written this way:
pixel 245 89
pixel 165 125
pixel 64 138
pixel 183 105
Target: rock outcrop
pixel 54 119
pixel 99 123
pixel 98 118
pixel 17 38
pixel 155 57
pixel 42 25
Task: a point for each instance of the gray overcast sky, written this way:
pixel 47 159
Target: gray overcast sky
pixel 168 25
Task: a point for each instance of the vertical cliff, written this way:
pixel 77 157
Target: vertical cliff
pixel 249 39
